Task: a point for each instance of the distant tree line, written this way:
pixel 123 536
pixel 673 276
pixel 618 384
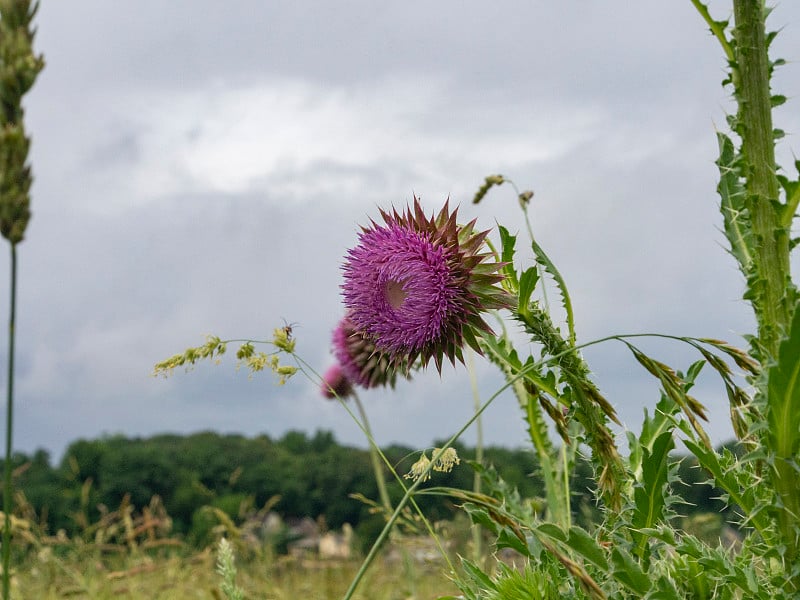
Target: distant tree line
pixel 312 475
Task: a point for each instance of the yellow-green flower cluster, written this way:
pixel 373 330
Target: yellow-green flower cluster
pixel 443 462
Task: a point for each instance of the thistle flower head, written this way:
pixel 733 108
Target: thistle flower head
pixel 335 383
pixel 416 286
pixel 361 363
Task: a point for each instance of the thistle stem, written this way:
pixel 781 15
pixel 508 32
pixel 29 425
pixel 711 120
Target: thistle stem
pixel 380 480
pixel 758 147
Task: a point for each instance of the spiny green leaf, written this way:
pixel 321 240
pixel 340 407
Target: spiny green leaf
pixel 587 546
pixel 725 479
pixel 527 283
pixel 783 397
pixel 566 302
pixel 552 531
pixel 507 242
pixel 628 572
pixel 732 205
pixel 480 516
pixel 507 539
pixel 477 574
pixel 649 499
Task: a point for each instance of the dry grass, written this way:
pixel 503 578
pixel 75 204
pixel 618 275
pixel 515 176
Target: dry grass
pixel 47 576
pixel 131 555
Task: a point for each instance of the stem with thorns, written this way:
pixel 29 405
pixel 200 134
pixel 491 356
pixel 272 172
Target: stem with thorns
pixel 754 125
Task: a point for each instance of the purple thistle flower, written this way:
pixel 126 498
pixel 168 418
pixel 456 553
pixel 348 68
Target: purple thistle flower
pixel 335 383
pixel 416 286
pixel 361 363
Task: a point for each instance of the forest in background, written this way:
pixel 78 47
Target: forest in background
pixel 298 475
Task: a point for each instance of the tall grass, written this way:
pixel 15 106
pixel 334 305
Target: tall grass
pixel 19 67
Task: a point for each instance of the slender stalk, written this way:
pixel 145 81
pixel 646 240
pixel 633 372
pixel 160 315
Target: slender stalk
pixel 413 488
pixel 7 483
pixel 408 496
pixel 476 479
pixel 309 372
pixel 380 480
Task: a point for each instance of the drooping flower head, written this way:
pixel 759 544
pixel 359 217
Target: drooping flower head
pixel 416 286
pixel 336 383
pixel 361 363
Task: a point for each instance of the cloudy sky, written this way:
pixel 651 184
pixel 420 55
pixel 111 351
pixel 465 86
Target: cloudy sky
pixel 202 167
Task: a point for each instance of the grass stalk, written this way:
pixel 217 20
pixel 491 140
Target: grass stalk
pixel 7 482
pixel 477 550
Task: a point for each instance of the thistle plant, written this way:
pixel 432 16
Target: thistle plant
pixel 636 551
pixel 19 67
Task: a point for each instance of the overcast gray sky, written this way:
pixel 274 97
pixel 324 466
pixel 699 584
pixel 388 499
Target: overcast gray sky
pixel 202 167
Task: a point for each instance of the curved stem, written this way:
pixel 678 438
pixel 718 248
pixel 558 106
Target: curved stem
pixel 308 371
pixel 717 28
pixel 410 491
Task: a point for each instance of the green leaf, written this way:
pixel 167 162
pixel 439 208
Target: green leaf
pixel 566 302
pixel 666 590
pixel 783 394
pixel 725 479
pixel 732 205
pixel 629 573
pixel 527 283
pixel 507 243
pixel 480 516
pixel 783 432
pixel 552 531
pixel 506 539
pixel 649 499
pixel 587 546
pixel 477 575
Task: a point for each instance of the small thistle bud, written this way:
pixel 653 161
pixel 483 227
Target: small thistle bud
pixel 416 286
pixel 361 362
pixel 335 383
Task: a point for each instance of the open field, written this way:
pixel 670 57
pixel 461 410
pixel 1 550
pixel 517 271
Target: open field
pixel 47 576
